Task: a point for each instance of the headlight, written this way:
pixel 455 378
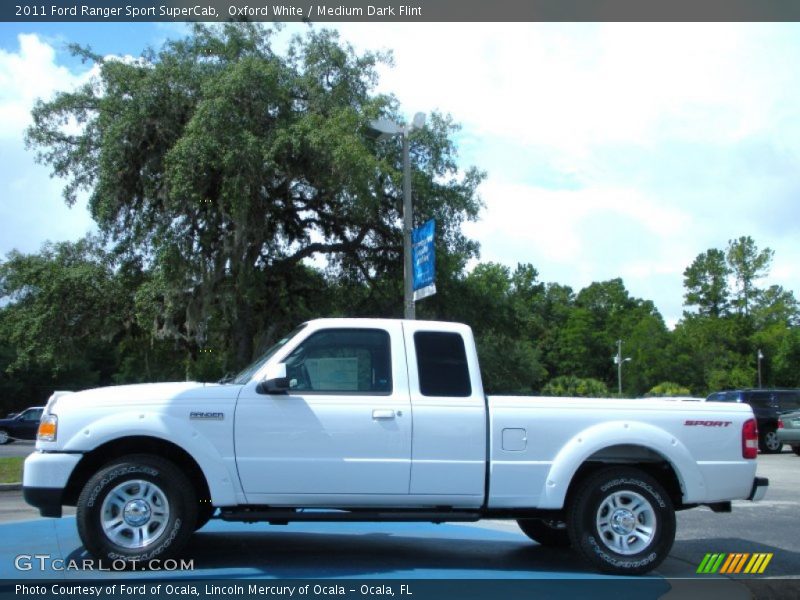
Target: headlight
pixel 48 428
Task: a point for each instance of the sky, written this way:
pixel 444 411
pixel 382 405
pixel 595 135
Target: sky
pixel 612 150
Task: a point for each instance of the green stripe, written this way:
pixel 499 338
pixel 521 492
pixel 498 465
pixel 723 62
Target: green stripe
pixel 718 564
pixel 701 568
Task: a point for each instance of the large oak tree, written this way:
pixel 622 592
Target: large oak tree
pixel 226 166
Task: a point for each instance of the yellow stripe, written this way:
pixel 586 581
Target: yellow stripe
pixel 758 558
pixel 749 566
pixel 731 558
pixel 740 563
pixel 766 562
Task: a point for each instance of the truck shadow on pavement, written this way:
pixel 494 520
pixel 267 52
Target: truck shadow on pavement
pixel 353 555
pixel 438 554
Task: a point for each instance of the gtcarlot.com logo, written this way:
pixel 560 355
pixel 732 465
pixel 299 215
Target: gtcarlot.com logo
pixel 731 564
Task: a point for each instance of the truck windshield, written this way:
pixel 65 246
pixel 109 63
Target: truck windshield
pixel 247 374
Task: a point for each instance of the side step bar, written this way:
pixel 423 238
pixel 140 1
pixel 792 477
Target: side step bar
pixel 280 516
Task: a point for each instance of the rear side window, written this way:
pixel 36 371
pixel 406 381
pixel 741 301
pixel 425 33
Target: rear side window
pixel 442 364
pixel 761 399
pixel 788 400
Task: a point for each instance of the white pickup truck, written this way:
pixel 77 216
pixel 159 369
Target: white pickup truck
pixel 384 420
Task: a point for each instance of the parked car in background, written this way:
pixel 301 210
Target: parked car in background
pixel 789 430
pixel 768 405
pixel 22 426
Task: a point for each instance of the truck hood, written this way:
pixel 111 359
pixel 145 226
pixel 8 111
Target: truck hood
pixel 141 394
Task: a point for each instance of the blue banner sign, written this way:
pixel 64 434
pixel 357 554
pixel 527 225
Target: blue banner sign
pixel 424 258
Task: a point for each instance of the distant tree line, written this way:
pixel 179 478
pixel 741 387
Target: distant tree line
pixel 237 192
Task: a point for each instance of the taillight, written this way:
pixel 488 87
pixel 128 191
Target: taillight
pixel 750 439
pixel 780 423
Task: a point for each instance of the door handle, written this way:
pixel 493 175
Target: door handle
pixel 383 414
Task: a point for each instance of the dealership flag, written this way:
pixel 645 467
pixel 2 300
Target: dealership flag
pixel 424 259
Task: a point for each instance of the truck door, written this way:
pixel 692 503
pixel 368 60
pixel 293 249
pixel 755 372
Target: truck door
pixel 449 453
pixel 342 430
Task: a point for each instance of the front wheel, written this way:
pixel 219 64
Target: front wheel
pixel 4 437
pixel 137 508
pixel 796 450
pixel 545 532
pixel 622 521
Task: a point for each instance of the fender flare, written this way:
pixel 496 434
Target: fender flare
pixel 620 433
pixel 223 484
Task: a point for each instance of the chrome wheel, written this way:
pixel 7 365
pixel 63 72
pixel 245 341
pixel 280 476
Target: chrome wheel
pixel 134 514
pixel 3 437
pixel 626 522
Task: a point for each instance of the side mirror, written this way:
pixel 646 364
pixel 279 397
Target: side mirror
pixel 275 381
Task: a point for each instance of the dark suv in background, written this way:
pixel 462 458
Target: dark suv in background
pixel 767 406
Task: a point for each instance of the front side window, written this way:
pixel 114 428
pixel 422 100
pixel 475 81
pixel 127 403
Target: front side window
pixel 245 375
pixel 342 361
pixel 442 364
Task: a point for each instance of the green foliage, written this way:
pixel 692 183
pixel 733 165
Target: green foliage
pixel 668 389
pixel 11 469
pixel 787 359
pixel 238 192
pixel 569 385
pixel 748 264
pixel 64 303
pixel 508 365
pixel 706 283
pixel 226 166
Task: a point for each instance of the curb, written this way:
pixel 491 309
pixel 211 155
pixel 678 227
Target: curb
pixel 10 487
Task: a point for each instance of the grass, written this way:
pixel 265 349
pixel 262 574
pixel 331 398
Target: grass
pixel 11 469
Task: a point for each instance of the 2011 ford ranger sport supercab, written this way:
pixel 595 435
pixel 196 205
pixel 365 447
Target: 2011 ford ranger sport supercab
pixel 384 420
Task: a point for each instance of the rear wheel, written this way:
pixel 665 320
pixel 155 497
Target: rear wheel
pixel 138 508
pixel 769 443
pixel 545 532
pixel 622 521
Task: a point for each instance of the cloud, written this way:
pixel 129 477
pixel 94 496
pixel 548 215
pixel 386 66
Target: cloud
pixel 612 149
pixel 615 149
pixel 31 208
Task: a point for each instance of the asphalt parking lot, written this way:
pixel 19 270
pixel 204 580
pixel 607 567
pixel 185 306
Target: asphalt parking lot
pixel 489 549
pixel 17 448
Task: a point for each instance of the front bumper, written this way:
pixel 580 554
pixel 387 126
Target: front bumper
pixel 44 479
pixel 47 500
pixel 759 489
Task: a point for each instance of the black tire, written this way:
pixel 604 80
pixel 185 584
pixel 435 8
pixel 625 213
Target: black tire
pixel 5 438
pixel 552 534
pixel 796 450
pixel 204 513
pixel 621 521
pixel 768 442
pixel 136 496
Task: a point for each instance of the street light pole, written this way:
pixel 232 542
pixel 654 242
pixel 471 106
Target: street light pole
pixel 618 360
pixel 760 358
pixel 386 128
pixel 408 224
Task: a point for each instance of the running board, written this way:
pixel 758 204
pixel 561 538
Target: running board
pixel 278 516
